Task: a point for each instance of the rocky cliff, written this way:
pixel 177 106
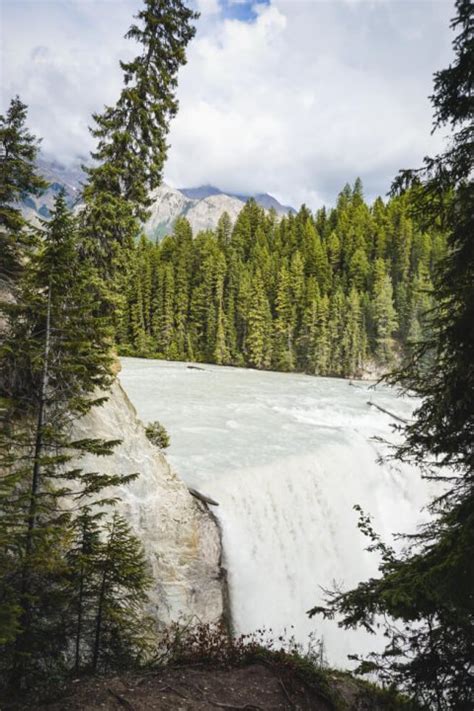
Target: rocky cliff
pixel 202 206
pixel 180 536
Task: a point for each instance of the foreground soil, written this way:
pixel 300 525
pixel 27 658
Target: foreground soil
pixel 256 687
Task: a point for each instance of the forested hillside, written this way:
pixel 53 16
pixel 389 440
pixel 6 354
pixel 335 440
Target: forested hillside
pixel 328 294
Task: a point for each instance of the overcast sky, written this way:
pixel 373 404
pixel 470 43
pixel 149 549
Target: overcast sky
pixel 290 97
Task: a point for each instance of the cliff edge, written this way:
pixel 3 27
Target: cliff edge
pixel 180 537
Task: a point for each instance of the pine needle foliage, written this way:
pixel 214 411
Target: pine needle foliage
pixel 73 577
pixel 334 293
pixel 425 595
pixel 131 135
pixel 54 358
pixel 18 179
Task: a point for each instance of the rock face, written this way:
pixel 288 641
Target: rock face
pixel 202 206
pixel 202 213
pixel 38 207
pixel 180 537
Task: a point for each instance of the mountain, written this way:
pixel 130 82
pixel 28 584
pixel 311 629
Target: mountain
pixel 69 177
pixel 264 199
pixel 202 205
pixel 60 177
pixel 203 213
pixel 203 191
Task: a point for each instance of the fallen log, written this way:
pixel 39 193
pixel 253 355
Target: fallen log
pixel 387 412
pixel 202 497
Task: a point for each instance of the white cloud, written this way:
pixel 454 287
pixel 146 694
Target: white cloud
pixel 208 7
pixel 297 102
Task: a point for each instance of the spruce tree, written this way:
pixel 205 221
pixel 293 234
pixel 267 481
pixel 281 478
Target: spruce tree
pixel 384 314
pixel 122 579
pixel 18 180
pixel 283 358
pixel 54 356
pixel 131 135
pixel 258 339
pixel 424 595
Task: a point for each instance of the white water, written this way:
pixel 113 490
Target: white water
pixel 287 457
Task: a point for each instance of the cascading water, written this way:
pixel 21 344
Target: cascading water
pixel 287 457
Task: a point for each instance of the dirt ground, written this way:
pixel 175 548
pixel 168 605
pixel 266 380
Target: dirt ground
pixel 253 688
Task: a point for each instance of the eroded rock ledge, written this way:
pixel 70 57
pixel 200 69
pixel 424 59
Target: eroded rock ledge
pixel 180 537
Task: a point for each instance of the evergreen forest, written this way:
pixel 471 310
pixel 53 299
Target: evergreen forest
pixel 354 289
pixel 334 293
pixel 73 575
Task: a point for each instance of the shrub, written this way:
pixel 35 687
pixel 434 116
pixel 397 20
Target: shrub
pixel 157 434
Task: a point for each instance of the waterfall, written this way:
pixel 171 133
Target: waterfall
pixel 287 457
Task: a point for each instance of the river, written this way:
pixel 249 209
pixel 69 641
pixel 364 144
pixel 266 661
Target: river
pixel 287 457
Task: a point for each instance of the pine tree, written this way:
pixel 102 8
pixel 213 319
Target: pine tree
pixel 53 358
pixel 353 340
pixel 224 230
pixel 122 583
pixel 183 265
pixel 335 329
pixel 131 137
pixel 221 353
pixel 424 594
pixel 18 180
pixel 283 358
pixel 384 315
pixel 82 566
pixel 258 339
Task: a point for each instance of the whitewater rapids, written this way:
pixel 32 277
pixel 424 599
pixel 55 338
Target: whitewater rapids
pixel 287 457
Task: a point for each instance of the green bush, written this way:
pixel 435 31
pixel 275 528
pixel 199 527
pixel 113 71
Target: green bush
pixel 157 434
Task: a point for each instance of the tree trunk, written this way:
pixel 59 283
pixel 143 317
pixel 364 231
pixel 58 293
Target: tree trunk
pixel 100 604
pixel 21 645
pixel 79 622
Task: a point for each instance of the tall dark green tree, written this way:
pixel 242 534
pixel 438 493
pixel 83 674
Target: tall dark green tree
pixel 18 179
pixel 123 579
pixel 131 135
pixel 426 593
pixel 54 358
pixel 55 353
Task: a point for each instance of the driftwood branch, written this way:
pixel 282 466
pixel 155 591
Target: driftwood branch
pixel 202 497
pixel 387 412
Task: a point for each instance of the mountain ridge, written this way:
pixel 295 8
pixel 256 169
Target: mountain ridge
pixel 202 205
pixel 264 199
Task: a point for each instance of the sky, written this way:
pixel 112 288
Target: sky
pixel 290 97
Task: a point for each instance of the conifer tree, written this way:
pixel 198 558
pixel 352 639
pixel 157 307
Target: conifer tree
pixel 353 343
pixel 258 339
pixel 384 315
pixel 122 582
pixel 131 135
pixel 82 566
pixel 18 180
pixel 284 323
pixel 53 357
pixel 424 594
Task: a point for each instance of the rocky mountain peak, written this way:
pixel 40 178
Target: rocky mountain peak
pixel 202 205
